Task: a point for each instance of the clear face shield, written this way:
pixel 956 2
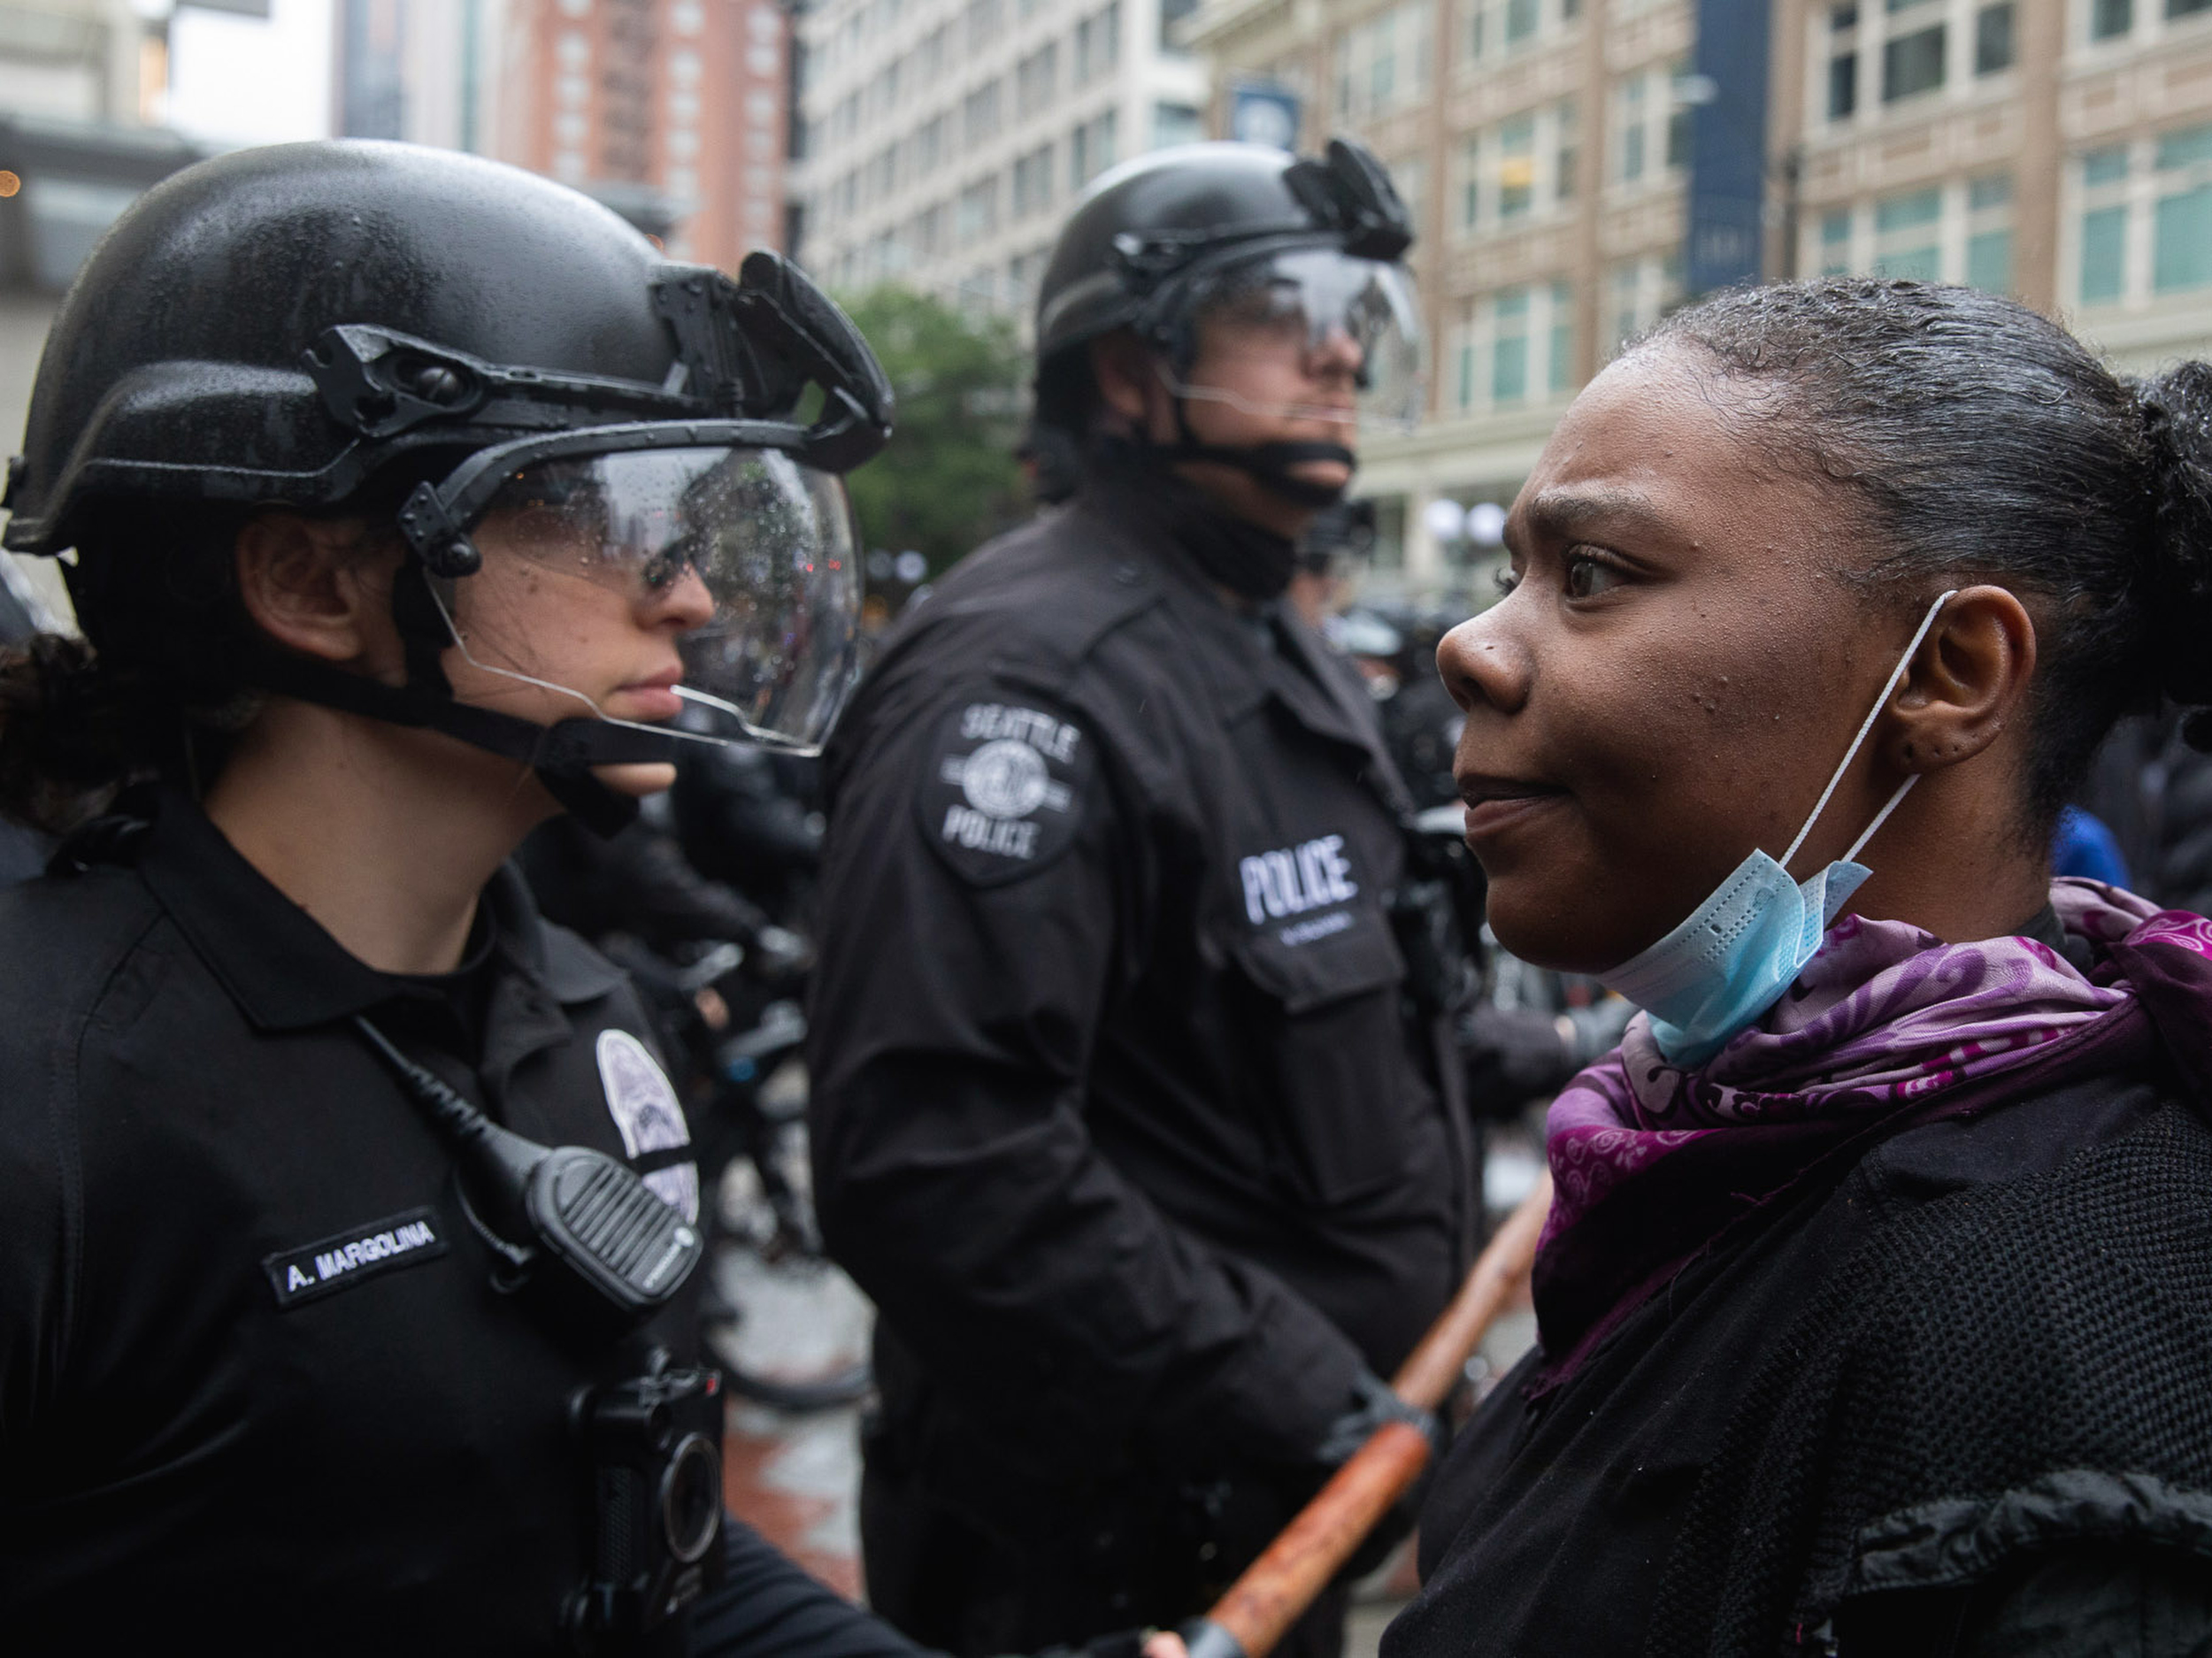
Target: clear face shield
pixel 1306 333
pixel 718 584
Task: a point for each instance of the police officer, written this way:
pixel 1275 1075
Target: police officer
pixel 346 1214
pixel 1126 1110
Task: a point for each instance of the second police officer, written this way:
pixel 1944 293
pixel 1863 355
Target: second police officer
pixel 1126 1109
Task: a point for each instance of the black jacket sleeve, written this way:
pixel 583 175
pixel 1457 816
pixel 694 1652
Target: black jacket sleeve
pixel 2114 1601
pixel 766 1607
pixel 957 1007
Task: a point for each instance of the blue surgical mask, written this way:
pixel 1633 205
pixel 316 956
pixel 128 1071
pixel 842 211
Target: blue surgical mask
pixel 1731 959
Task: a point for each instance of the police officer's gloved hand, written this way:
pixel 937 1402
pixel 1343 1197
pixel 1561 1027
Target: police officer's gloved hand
pixel 1513 1056
pixel 1376 1406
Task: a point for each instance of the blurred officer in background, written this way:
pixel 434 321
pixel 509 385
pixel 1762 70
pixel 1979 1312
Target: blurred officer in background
pixel 1128 1110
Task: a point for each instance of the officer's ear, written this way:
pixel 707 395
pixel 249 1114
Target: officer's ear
pixel 319 586
pixel 1122 369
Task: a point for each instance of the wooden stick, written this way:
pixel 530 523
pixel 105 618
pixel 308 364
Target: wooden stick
pixel 1277 1587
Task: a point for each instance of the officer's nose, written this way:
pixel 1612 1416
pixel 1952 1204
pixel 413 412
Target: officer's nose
pixel 682 604
pixel 1336 357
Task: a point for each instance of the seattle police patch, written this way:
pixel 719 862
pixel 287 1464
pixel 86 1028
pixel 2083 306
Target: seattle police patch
pixel 1003 792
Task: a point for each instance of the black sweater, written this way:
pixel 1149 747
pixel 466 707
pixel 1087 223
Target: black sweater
pixel 1964 1384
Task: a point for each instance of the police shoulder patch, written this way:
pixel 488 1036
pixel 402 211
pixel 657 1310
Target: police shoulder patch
pixel 1003 794
pixel 642 1102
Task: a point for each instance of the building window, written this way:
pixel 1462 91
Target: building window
pixel 1908 235
pixel 2109 19
pixel 1994 45
pixel 1959 231
pixel 1519 170
pixel 977 215
pixel 1512 347
pixel 1989 233
pixel 1171 13
pixel 2187 8
pixel 1499 28
pixel 2182 245
pixel 1642 291
pixel 1383 64
pixel 1098 44
pixel 1036 79
pixel 1654 126
pixel 983 20
pixel 1176 124
pixel 1835 242
pixel 1090 150
pixel 1678 115
pixel 1509 348
pixel 1033 181
pixel 1023 274
pixel 1843 84
pixel 1912 63
pixel 1559 355
pixel 979 115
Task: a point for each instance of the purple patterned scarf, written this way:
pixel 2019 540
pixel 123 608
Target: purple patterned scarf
pixel 1885 1028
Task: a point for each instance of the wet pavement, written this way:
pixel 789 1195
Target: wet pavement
pixel 795 1476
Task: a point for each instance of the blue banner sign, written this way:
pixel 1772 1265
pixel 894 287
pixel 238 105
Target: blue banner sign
pixel 1728 136
pixel 1262 113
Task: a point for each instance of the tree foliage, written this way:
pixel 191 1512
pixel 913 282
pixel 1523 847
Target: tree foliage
pixel 947 480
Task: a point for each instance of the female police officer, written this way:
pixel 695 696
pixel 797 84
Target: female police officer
pixel 344 1212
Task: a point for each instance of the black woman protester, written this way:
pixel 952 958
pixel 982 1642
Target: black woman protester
pixel 1875 1307
pixel 346 1219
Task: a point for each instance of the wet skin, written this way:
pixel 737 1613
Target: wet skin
pixel 1680 666
pixel 557 613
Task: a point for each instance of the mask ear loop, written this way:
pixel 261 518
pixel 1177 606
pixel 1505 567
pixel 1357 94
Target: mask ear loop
pixel 1880 702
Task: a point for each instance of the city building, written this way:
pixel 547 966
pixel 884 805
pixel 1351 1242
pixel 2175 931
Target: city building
pixel 674 113
pixel 1555 153
pixel 2061 151
pixel 945 139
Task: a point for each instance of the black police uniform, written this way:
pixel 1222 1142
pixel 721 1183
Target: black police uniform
pixel 1118 1111
pixel 258 1393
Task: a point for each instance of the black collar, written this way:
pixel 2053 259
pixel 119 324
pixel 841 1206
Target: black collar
pixel 279 965
pixel 2045 928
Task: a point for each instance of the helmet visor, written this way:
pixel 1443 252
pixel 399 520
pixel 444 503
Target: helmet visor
pixel 749 550
pixel 1350 326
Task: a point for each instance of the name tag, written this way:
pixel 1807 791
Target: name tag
pixel 353 1256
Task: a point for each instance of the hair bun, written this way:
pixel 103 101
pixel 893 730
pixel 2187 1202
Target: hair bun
pixel 2177 407
pixel 61 747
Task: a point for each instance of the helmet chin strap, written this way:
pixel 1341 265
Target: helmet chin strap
pixel 1271 465
pixel 562 755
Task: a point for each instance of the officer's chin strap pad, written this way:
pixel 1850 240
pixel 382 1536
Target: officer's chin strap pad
pixel 1267 464
pixel 1271 464
pixel 562 755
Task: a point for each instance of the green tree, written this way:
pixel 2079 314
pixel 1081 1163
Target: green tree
pixel 947 480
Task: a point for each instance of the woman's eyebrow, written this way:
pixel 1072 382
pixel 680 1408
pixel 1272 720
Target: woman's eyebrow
pixel 1565 511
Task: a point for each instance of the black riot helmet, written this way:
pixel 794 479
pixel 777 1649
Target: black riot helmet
pixel 1164 243
pixel 369 326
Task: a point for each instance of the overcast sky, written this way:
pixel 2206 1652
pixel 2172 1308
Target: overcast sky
pixel 242 80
